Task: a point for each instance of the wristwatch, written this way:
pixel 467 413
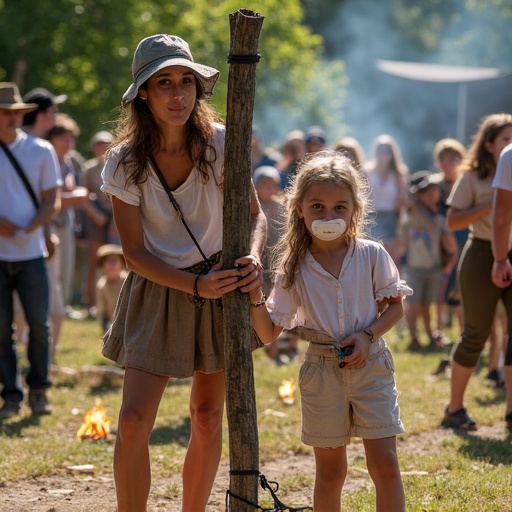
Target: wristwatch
pixel 369 334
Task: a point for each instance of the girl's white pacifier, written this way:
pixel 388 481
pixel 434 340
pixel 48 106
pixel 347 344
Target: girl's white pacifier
pixel 328 229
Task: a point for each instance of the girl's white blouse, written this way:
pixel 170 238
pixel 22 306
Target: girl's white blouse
pixel 338 306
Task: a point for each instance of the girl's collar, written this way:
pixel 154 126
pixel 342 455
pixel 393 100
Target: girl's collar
pixel 310 259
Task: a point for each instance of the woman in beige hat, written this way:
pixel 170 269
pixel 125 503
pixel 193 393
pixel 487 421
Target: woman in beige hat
pixel 168 320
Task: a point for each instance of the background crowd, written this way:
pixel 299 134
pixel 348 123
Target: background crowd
pixel 420 216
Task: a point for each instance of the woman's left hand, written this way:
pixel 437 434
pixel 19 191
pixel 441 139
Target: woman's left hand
pixel 251 273
pixel 502 273
pixel 360 352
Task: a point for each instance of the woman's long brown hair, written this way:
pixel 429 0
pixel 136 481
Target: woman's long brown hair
pixel 139 137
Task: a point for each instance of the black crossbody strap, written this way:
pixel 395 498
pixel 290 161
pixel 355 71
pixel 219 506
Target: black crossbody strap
pixel 21 174
pixel 178 209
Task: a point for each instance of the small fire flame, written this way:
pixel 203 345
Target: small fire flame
pixel 286 391
pixel 96 424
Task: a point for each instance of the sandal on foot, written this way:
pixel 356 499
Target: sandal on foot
pixel 437 340
pixel 508 421
pixel 459 420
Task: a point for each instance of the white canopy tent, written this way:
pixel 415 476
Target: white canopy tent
pixel 439 73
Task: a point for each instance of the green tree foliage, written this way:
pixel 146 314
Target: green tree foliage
pixel 84 48
pixel 465 32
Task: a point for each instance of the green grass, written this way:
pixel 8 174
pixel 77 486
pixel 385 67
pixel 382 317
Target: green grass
pixel 463 472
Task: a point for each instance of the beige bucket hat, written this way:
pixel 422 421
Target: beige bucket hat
pixel 162 50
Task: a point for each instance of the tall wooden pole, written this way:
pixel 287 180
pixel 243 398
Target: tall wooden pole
pixel 245 26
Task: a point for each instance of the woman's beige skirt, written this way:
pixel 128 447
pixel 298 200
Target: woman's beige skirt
pixel 159 330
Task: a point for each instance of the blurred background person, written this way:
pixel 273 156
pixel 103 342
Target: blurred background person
pixel 352 149
pixel 25 207
pixel 38 123
pixel 110 262
pixel 104 231
pixel 62 136
pixel 260 155
pixel 470 206
pixel 41 120
pixel 448 156
pixel 293 149
pixel 423 235
pixel 315 139
pixel 387 174
pixel 62 268
pixel 502 267
pixel 267 182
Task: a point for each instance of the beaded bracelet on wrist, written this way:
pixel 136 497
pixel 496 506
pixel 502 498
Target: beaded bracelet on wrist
pixel 260 303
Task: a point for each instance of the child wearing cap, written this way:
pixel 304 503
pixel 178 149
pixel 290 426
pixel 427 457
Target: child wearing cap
pixel 448 155
pixel 267 182
pixel 423 235
pixel 111 262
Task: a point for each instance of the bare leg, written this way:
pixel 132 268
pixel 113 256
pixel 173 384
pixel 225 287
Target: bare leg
pixel 412 313
pixel 331 471
pixel 459 383
pixel 460 317
pixel 440 304
pixel 425 315
pixel 382 462
pixel 57 320
pixel 205 447
pixel 92 272
pixel 142 392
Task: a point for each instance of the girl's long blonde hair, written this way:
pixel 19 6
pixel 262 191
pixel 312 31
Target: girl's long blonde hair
pixel 323 166
pixel 478 158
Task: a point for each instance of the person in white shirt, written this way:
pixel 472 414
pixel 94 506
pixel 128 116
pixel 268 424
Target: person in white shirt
pixel 341 293
pixel 23 212
pixel 168 322
pixel 501 247
pixel 388 175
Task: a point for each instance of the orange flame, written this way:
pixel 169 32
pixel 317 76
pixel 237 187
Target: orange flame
pixel 286 391
pixel 96 424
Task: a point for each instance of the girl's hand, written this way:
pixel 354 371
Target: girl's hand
pixel 250 274
pixel 360 351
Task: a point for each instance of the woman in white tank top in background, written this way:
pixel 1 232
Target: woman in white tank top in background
pixel 387 175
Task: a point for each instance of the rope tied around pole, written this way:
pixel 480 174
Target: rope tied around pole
pixel 243 59
pixel 265 484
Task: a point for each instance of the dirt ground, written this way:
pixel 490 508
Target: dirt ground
pixel 70 491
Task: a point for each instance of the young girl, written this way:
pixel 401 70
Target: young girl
pixel 341 293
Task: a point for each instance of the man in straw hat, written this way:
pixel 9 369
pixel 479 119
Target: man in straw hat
pixel 25 206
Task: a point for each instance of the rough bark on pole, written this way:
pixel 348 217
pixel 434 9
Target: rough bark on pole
pixel 245 26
